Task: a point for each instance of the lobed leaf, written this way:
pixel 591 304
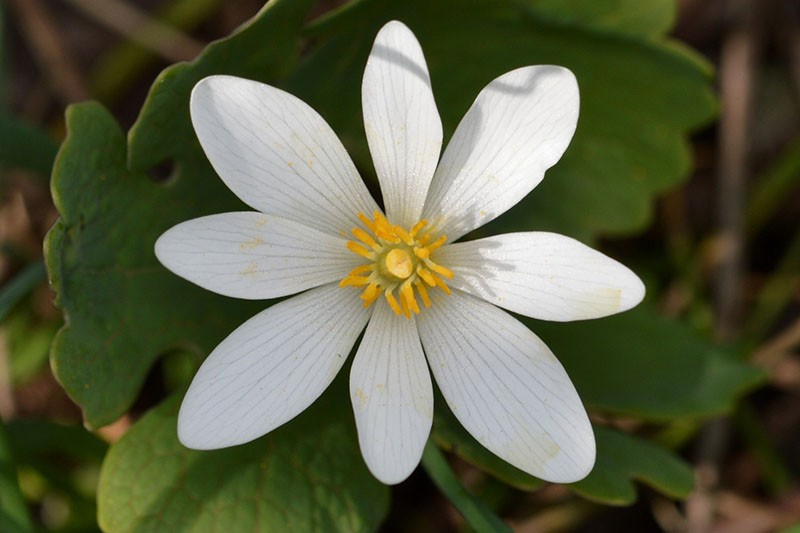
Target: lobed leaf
pixel 306 476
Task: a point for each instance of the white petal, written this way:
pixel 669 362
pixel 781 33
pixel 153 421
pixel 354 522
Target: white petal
pixel 542 275
pixel 253 256
pixel 402 123
pixel 506 388
pixel 392 396
pixel 277 154
pixel 518 127
pixel 271 368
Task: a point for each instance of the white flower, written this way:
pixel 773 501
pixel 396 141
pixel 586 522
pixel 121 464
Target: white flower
pixel 419 296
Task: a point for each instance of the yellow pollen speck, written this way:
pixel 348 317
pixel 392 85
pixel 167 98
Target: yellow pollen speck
pixel 362 397
pixel 250 270
pixel 400 267
pixel 255 242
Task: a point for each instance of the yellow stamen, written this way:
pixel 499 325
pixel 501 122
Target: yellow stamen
pixel 426 275
pixel 417 227
pixel 407 292
pixel 370 293
pixel 354 281
pixel 422 253
pixel 393 302
pixel 423 292
pixel 360 250
pixel 439 269
pixel 365 237
pixel 442 285
pixel 437 243
pixel 399 263
pixel 367 222
pixel 361 269
pixel 404 305
pixel 387 236
pixel 403 234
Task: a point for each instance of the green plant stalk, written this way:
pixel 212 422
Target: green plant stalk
pixel 776 294
pixel 773 188
pixel 474 512
pixel 24 282
pixel 774 471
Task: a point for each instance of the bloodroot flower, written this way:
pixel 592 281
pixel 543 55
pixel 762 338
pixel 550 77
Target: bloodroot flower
pixel 429 305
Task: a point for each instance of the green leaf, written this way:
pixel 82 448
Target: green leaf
pixel 651 18
pixel 306 476
pixel 639 98
pixel 13 511
pixel 477 516
pixel 642 365
pixel 122 308
pixel 622 458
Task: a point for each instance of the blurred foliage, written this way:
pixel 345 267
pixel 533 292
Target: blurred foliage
pixel 13 511
pixel 58 468
pixel 28 339
pixel 25 146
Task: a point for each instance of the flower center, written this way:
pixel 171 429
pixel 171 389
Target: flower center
pixel 399 262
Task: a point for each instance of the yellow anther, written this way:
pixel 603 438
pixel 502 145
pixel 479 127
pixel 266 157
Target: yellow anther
pixel 426 275
pixel 423 292
pixel 365 237
pixel 392 301
pixel 367 222
pixel 422 253
pixel 437 243
pixel 398 263
pixel 380 219
pixel 370 294
pixel 354 281
pixel 439 269
pixel 360 250
pixel 441 284
pixel 417 227
pixel 387 235
pixel 407 293
pixel 361 269
pixel 403 234
pixel 404 306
